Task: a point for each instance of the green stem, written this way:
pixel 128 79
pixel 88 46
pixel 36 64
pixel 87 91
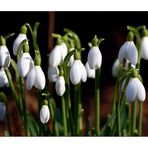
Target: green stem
pixel 97 102
pixel 133 117
pixel 140 118
pixel 24 105
pixel 53 118
pixel 118 119
pixel 64 116
pixel 14 94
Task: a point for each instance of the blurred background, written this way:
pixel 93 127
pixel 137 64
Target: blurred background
pixel 109 25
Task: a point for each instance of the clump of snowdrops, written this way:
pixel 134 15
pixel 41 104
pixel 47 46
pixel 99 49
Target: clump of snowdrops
pixel 66 71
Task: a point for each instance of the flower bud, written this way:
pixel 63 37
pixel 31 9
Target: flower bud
pixel 3 78
pixel 60 86
pixel 44 114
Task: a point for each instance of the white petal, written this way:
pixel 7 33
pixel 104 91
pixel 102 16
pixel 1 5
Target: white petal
pixel 131 90
pixel 141 94
pixel 116 68
pixel 122 52
pixel 90 72
pixel 53 73
pixel 75 72
pixel 55 56
pixel 25 63
pixel 144 48
pixel 3 78
pixel 4 56
pixel 2 111
pixel 94 58
pixel 60 86
pixel 44 114
pixel 83 73
pixel 132 53
pixel 63 51
pixel 30 79
pixel 17 42
pixel 40 78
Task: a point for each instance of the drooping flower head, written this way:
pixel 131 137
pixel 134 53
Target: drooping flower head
pixel 128 51
pixel 144 45
pixel 4 53
pixel 25 62
pixel 94 56
pixel 58 54
pixel 77 71
pixel 53 73
pixel 44 112
pixel 22 36
pixel 60 84
pixel 36 76
pixel 3 78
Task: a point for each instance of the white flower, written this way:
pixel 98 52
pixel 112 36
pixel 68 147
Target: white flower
pixel 135 90
pixel 94 58
pixel 2 111
pixel 78 72
pixel 116 68
pixel 44 114
pixel 60 86
pixel 3 78
pixel 53 73
pixel 57 55
pixel 18 41
pixel 4 56
pixel 90 72
pixel 35 77
pixel 144 48
pixel 24 65
pixel 128 51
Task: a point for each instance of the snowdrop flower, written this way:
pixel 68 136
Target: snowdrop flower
pixel 128 51
pixel 35 78
pixel 2 111
pixel 90 72
pixel 116 68
pixel 25 63
pixel 77 71
pixel 4 53
pixel 60 86
pixel 53 73
pixel 94 57
pixel 22 36
pixel 3 78
pixel 135 90
pixel 44 113
pixel 58 54
pixel 144 45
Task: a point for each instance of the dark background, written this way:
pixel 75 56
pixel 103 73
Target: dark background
pixel 109 25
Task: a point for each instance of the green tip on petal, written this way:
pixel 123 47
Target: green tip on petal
pixel 23 29
pixel 2 41
pixel 45 102
pixel 95 41
pixel 130 36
